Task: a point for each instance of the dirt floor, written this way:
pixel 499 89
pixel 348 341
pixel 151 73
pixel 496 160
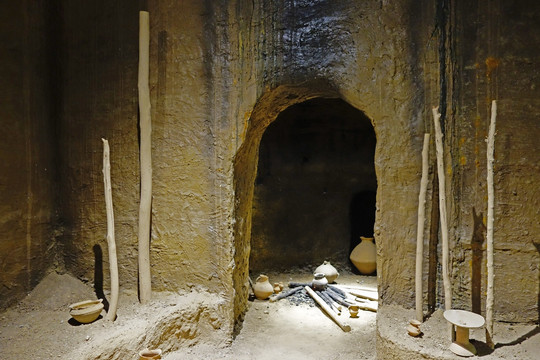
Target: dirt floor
pixel 39 327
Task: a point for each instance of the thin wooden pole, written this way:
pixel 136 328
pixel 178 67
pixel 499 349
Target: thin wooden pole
pixel 113 263
pixel 145 207
pixel 442 209
pixel 344 326
pixel 420 229
pixel 489 233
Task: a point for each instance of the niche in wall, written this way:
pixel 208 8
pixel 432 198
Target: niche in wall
pixel 315 187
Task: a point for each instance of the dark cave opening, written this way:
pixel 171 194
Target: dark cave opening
pixel 315 188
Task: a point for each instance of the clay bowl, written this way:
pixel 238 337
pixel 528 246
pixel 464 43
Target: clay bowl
pixel 86 311
pixel 150 354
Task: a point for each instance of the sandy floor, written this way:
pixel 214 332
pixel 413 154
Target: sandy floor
pixel 39 327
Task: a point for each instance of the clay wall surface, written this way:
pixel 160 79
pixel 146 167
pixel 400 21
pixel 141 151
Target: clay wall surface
pixel 495 57
pixel 221 72
pixel 315 189
pixel 27 149
pixel 362 53
pixel 99 57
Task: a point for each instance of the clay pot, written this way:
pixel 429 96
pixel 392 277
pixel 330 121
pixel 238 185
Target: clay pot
pixel 319 281
pixel 328 270
pixel 86 311
pixel 150 354
pixel 262 288
pixel 364 256
pixel 353 310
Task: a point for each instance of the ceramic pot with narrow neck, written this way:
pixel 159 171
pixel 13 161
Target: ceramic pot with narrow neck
pixel 319 282
pixel 262 288
pixel 364 256
pixel 328 270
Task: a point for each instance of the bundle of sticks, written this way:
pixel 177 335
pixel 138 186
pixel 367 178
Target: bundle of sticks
pixel 334 298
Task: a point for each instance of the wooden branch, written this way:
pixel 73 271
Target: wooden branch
pixel 489 233
pixel 352 287
pixel 113 262
pixel 344 326
pixel 284 294
pixel 145 207
pixel 322 294
pixel 420 230
pixel 295 284
pixel 369 306
pixel 334 296
pixel 365 294
pixel 442 209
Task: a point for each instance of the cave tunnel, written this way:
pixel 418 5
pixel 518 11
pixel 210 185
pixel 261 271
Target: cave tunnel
pixel 315 187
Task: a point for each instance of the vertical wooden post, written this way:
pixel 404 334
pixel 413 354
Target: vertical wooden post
pixel 113 263
pixel 145 207
pixel 442 209
pixel 489 233
pixel 420 229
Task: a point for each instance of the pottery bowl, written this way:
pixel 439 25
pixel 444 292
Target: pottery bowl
pixel 86 311
pixel 150 354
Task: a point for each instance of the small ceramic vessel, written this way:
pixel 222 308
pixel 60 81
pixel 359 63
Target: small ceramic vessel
pixel 353 310
pixel 319 281
pixel 262 288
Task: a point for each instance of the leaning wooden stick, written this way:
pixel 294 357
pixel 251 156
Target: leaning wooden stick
pixel 344 326
pixel 442 209
pixel 489 233
pixel 113 263
pixel 420 230
pixel 145 206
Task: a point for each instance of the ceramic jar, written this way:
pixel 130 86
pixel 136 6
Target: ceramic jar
pixel 319 281
pixel 262 288
pixel 328 270
pixel 364 256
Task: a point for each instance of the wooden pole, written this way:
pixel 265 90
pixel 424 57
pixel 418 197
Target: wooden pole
pixel 345 327
pixel 420 230
pixel 145 206
pixel 442 209
pixel 113 263
pixel 489 233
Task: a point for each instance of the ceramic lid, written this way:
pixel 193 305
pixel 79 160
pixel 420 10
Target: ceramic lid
pixel 464 318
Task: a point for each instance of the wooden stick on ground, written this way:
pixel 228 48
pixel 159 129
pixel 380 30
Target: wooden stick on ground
pixel 489 233
pixel 284 294
pixel 364 294
pixel 145 207
pixel 329 301
pixel 420 230
pixel 113 263
pixel 345 327
pixel 352 287
pixel 442 209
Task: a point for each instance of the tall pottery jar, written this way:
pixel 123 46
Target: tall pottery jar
pixel 262 288
pixel 364 256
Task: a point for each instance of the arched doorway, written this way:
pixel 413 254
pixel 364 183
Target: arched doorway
pixel 268 108
pixel 314 192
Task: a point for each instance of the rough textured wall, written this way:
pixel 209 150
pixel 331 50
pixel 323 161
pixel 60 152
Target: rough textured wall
pixel 27 149
pixel 99 100
pixel 367 61
pixel 315 188
pixel 222 72
pixel 495 56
